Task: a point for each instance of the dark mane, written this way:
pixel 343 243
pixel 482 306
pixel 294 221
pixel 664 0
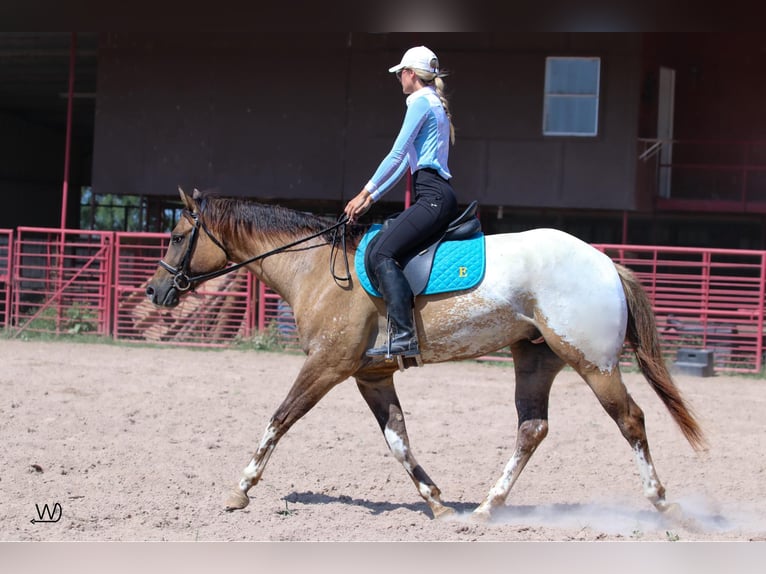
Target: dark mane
pixel 237 217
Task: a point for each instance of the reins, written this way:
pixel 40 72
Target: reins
pixel 334 249
pixel 183 282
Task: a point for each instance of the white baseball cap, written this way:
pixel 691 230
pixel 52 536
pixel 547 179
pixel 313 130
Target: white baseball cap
pixel 420 58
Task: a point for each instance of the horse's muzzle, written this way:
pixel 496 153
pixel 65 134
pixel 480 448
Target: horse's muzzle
pixel 163 297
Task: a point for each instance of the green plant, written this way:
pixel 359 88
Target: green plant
pixel 43 321
pixel 286 512
pixel 80 319
pixel 266 340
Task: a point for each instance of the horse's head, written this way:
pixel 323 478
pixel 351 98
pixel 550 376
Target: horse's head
pixel 191 255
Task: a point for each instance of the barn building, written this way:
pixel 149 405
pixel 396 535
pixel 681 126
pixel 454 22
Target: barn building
pixel 642 138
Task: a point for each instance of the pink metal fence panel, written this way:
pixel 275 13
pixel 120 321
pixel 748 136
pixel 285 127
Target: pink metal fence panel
pixel 73 281
pixel 275 318
pixel 704 299
pixel 6 257
pixel 62 281
pixel 216 315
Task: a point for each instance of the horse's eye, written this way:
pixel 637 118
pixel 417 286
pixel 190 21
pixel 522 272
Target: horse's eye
pixel 176 239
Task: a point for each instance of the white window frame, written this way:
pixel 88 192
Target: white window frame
pixel 562 96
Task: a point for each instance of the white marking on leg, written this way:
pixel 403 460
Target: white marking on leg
pixel 401 453
pixel 426 493
pixel 254 469
pixel 398 448
pixel 499 492
pixel 648 475
pixel 531 434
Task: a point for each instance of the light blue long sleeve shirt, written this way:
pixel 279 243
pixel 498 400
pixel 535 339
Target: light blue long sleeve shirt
pixel 423 141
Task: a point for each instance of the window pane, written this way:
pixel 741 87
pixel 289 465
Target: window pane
pixel 571 116
pixel 571 96
pixel 572 76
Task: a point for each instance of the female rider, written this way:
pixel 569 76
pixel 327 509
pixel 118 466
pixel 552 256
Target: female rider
pixel 423 146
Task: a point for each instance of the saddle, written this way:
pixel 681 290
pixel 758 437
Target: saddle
pixel 418 266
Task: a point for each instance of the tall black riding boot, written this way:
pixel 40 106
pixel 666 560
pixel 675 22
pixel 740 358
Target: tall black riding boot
pixel 399 300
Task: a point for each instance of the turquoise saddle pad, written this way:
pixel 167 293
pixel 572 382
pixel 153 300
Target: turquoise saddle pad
pixel 457 265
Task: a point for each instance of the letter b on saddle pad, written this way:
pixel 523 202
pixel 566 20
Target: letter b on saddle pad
pixel 457 265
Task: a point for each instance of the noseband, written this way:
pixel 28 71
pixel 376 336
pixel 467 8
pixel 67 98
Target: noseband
pixel 182 280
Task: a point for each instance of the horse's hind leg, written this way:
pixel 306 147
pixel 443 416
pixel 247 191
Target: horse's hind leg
pixel 381 397
pixel 616 400
pixel 536 366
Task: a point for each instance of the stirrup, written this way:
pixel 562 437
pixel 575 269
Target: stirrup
pixel 388 352
pixel 404 360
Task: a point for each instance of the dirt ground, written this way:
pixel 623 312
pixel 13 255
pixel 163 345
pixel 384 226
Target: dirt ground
pixel 142 444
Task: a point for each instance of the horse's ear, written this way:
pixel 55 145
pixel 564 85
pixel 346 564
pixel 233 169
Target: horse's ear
pixel 189 202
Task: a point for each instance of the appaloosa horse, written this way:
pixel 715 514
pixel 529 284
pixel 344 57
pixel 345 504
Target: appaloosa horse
pixel 552 298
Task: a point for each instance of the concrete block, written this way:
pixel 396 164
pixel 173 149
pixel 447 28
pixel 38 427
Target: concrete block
pixel 698 362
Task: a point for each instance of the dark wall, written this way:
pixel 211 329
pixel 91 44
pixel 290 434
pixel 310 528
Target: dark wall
pixel 311 117
pixel 249 115
pixel 720 84
pixel 500 105
pixel 31 173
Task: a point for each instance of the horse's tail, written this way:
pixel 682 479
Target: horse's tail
pixel 642 336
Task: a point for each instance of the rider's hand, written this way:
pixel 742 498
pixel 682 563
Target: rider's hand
pixel 358 206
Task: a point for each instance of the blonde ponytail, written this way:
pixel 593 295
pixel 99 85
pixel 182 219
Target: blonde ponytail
pixel 439 85
pixel 429 78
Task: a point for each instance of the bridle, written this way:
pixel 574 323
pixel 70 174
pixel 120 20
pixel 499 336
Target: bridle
pixel 183 280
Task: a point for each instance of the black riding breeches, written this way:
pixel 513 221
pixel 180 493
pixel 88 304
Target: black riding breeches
pixel 434 208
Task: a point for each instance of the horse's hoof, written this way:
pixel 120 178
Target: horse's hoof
pixel 481 515
pixel 237 501
pixel 443 512
pixel 670 510
pixel 675 515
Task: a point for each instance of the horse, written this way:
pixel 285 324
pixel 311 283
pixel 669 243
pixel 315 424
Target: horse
pixel 552 298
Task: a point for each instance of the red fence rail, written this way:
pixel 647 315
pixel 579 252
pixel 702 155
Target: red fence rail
pixel 6 256
pixel 73 281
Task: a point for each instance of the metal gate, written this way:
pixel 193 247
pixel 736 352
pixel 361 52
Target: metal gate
pixel 78 282
pixel 62 281
pixel 217 315
pixel 6 256
pixel 703 299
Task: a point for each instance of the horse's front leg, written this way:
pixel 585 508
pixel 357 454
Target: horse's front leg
pixel 381 397
pixel 312 383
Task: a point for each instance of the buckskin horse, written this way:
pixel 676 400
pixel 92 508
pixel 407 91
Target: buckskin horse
pixel 553 299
